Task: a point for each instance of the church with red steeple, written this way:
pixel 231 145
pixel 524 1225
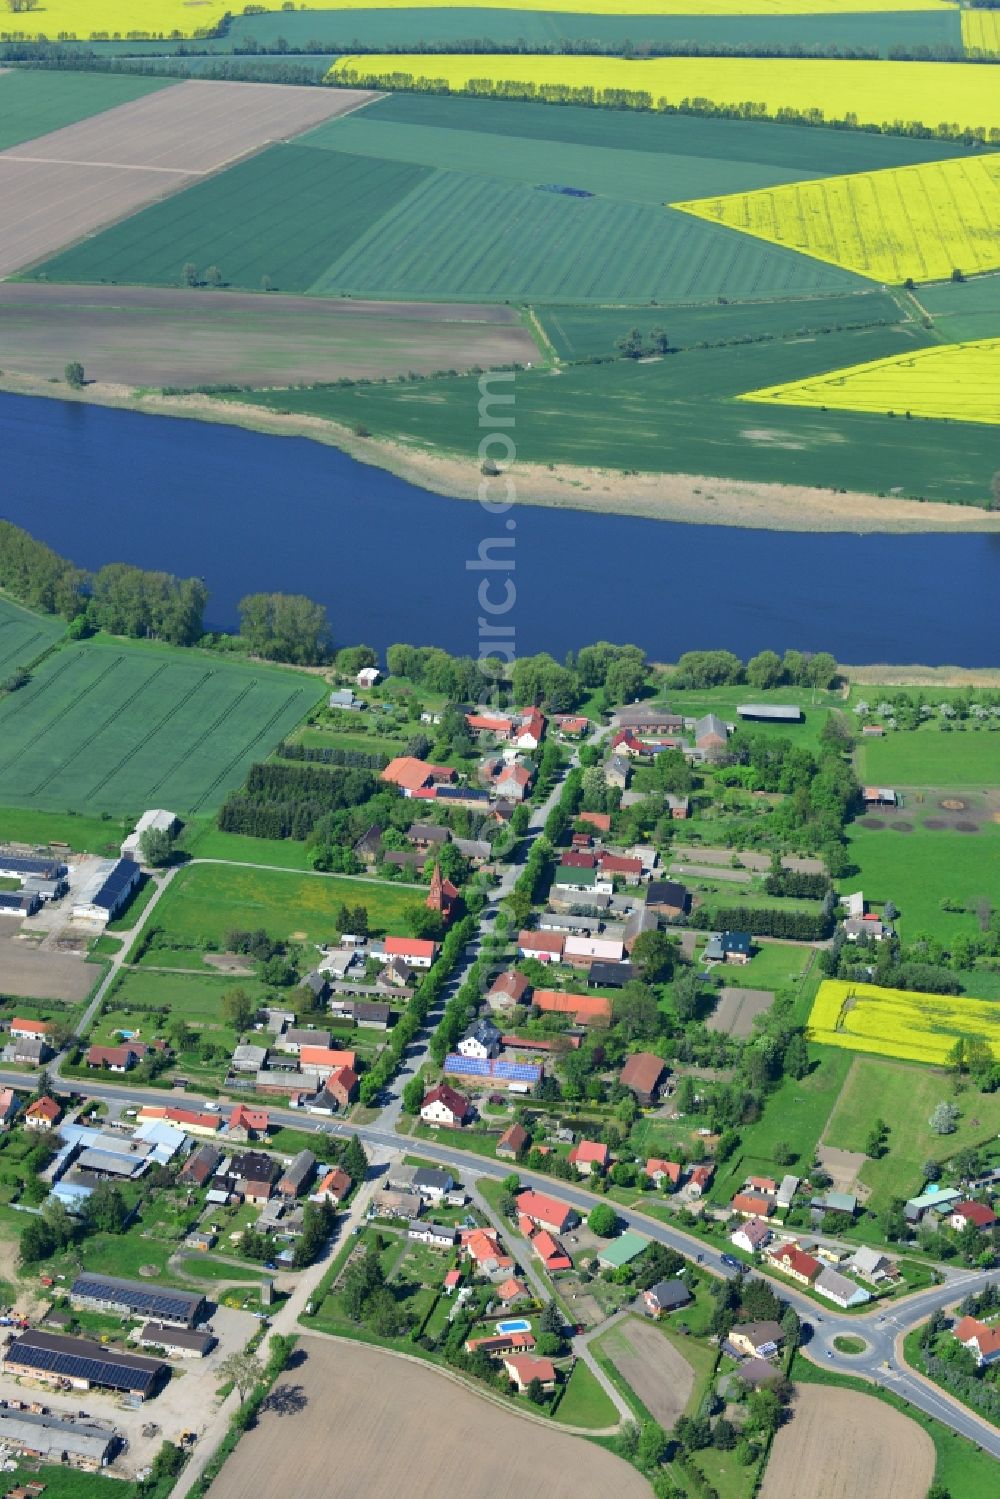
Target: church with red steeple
pixel 443 896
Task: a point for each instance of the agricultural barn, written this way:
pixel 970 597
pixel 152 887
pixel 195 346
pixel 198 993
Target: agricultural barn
pixel 183 1342
pixel 771 712
pixel 156 821
pixel 53 1358
pixel 667 898
pixel 641 1074
pixel 55 1439
pixel 13 867
pixel 114 889
pixel 103 1293
pixel 879 796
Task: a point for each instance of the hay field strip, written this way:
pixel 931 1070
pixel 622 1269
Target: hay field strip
pixel 184 337
pixel 63 186
pixel 876 93
pixel 917 222
pixel 958 382
pixel 99 726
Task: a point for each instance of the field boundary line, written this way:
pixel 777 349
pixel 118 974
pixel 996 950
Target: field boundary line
pixel 113 166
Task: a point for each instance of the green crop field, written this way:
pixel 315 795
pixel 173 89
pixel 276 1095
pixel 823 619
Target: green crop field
pixel 206 901
pixel 906 1097
pixel 920 869
pixel 678 414
pixel 964 309
pixel 585 332
pixel 930 757
pixel 114 726
pixel 24 636
pixel 286 213
pixel 32 104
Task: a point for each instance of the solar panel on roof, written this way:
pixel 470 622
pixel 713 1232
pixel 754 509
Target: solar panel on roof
pixel 175 1305
pixel 113 1372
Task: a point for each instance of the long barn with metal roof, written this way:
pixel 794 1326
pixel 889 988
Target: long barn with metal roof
pixel 162 1303
pixel 82 1364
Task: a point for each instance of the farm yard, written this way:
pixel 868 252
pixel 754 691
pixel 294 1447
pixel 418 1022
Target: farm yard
pixel 176 338
pixel 116 726
pixel 373 1392
pixel 899 1023
pixel 959 382
pixel 848 1444
pixel 918 222
pixel 65 184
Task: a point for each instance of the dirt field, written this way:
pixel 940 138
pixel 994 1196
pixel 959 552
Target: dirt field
pixel 410 1432
pixel 737 1009
pixel 843 1167
pixel 660 1376
pixel 29 973
pixel 177 338
pixel 62 186
pixel 848 1444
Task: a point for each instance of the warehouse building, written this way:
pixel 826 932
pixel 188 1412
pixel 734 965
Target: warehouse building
pixel 157 821
pixel 56 1439
pixel 109 893
pixel 83 1365
pixel 180 1342
pixel 104 1293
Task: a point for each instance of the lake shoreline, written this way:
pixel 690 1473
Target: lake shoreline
pixel 687 499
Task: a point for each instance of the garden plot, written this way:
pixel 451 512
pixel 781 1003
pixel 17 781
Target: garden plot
pixel 737 1010
pixel 651 1365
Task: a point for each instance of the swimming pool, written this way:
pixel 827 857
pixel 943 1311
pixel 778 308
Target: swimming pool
pixel 519 1324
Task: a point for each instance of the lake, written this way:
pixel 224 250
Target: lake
pixel 250 512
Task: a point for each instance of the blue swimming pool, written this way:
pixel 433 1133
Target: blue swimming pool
pixel 519 1324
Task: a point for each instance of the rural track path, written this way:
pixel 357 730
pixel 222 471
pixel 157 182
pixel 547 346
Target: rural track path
pixel 581 1347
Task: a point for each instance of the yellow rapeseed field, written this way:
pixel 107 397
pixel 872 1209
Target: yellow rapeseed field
pixel 899 1022
pixel 981 32
pixel 955 95
pixel 919 221
pixel 957 381
pixel 85 18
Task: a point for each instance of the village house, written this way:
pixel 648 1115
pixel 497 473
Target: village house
pixel 414 951
pixel 42 1114
pixel 481 1040
pixel 435 1235
pixel 751 1236
pixel 549 1250
pixel 667 898
pixel 729 947
pixel 601 821
pixel 756 1339
pixel 482 1246
pixel 511 1291
pixel 976 1213
pixel 699 1179
pixel 9 1105
pixel 411 775
pixel 838 1289
pixel 710 733
pixel 546 1212
pixel 513 1142
pixel 293 1040
pixel 200 1166
pixel 617 772
pixel 342 1085
pixel 644 719
pixel 500 1343
pixel 752 1205
pixel 113 1058
pixel 660 1171
pixel 792 1260
pixel 444 1106
pixel 642 1074
pixel 679 807
pixel 547 947
pixel 368 849
pixel 666 1296
pixel 871 1265
pixel 254 1174
pixel 982 1340
pixel 246 1124
pixel 297 1175
pixel 522 1368
pixel 511 988
pixel 590 1157
pixel 333 1188
pixel 586 1009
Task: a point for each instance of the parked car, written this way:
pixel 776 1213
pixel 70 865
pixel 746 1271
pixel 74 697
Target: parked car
pixel 728 1259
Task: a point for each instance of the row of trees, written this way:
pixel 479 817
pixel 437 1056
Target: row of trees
pixel 767 669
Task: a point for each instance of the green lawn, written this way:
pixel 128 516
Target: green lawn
pixel 918 870
pixel 84 835
pixel 33 103
pixel 206 841
pixel 930 756
pixel 584 1402
pixel 116 726
pixel 795 1113
pixel 67 1483
pixel 138 903
pixel 905 1097
pixel 963 1469
pixel 206 901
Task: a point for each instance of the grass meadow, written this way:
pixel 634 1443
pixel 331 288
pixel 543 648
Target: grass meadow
pixel 920 869
pixel 929 756
pixel 115 726
pixel 906 1097
pixel 206 901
